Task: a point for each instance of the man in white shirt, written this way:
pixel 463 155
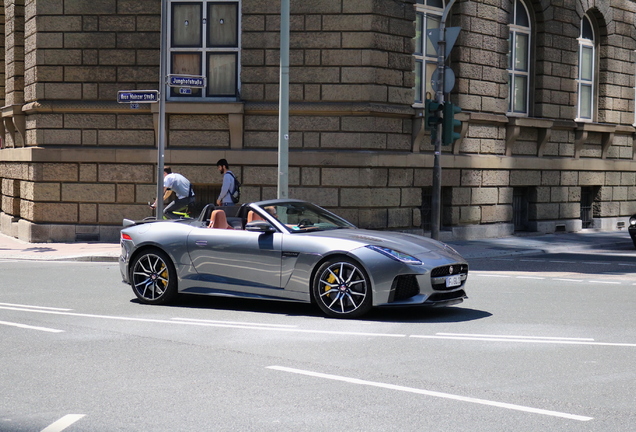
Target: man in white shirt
pixel 174 182
pixel 225 197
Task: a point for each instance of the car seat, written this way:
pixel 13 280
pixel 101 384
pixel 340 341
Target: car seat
pixel 218 220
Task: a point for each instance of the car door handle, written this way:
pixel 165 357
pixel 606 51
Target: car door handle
pixel 201 243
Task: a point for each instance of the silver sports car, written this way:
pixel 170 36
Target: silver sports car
pixel 288 250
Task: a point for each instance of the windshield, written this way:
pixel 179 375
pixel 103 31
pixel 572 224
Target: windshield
pixel 304 216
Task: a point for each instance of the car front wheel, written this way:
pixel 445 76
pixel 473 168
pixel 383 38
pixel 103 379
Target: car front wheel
pixel 153 277
pixel 341 288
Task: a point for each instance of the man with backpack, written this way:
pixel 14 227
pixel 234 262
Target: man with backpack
pixel 230 190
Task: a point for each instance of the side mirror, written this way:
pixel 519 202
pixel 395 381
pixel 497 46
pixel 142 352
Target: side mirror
pixel 260 226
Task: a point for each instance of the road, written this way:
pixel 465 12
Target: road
pixel 544 342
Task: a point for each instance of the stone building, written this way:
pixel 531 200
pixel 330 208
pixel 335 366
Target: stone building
pixel 546 88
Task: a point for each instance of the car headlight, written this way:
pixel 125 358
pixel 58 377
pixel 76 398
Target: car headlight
pixel 632 220
pixel 396 255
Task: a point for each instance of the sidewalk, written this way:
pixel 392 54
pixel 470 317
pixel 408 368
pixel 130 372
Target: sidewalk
pixel 14 249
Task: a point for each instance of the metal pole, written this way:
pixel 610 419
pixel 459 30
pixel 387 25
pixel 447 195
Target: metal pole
pixel 161 136
pixel 283 104
pixel 439 97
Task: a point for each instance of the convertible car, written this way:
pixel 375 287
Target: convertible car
pixel 288 250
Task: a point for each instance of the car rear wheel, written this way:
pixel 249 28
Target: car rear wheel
pixel 341 288
pixel 153 277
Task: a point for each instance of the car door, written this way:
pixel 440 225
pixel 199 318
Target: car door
pixel 236 261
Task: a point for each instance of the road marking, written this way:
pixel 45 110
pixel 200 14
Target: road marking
pixel 255 326
pixel 24 326
pixel 432 393
pixel 34 307
pixel 570 280
pixel 63 423
pixel 515 337
pixel 543 341
pixel 605 282
pixel 597 263
pixel 232 322
pixel 530 277
pixel 563 262
pixel 490 275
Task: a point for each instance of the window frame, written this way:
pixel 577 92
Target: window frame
pixel 516 30
pixel 204 52
pixel 423 59
pixel 581 82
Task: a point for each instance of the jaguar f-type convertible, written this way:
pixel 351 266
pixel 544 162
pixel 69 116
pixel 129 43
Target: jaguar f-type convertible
pixel 288 250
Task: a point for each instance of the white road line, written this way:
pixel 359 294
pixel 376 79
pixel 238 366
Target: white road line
pixel 605 282
pixel 232 322
pixel 24 326
pixel 432 393
pixel 570 280
pixel 543 341
pixel 596 262
pixel 530 277
pixel 34 307
pixel 626 264
pixel 255 326
pixel 514 337
pixel 563 262
pixel 63 423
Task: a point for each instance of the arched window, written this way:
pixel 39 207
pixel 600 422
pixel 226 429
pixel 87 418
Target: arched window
pixel 587 66
pixel 429 15
pixel 519 40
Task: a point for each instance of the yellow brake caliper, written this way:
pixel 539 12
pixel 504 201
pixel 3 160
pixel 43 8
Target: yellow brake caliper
pixel 331 279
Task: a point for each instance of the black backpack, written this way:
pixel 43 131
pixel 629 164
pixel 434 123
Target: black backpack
pixel 236 194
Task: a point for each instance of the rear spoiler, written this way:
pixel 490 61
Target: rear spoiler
pixel 129 222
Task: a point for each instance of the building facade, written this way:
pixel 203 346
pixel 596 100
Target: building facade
pixel 547 90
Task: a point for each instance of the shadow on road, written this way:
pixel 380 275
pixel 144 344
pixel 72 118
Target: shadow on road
pixel 382 314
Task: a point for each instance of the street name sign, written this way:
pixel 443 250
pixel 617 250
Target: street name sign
pixel 138 96
pixel 191 81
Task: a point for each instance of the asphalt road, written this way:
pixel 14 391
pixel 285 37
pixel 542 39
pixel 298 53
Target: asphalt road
pixel 544 342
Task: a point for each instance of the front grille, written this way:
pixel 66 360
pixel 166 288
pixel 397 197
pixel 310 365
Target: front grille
pixel 439 275
pixel 404 286
pixel 449 270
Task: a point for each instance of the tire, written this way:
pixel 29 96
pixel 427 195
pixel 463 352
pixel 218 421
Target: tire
pixel 153 277
pixel 341 289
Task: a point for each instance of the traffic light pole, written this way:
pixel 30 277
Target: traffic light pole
pixel 439 98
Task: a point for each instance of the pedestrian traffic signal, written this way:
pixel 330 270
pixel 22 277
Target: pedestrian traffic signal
pixel 433 118
pixel 449 135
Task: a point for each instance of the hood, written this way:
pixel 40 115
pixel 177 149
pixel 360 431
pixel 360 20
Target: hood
pixel 415 245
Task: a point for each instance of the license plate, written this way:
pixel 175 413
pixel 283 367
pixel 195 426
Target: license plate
pixel 453 281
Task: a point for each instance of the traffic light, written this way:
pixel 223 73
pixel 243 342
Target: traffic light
pixel 449 135
pixel 432 118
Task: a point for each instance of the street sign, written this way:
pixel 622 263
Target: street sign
pixel 449 79
pixel 192 81
pixel 185 90
pixel 450 38
pixel 138 96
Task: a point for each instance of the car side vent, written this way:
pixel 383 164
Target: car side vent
pixel 404 286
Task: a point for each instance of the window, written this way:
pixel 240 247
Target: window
pixel 587 65
pixel 204 40
pixel 519 60
pixel 428 17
